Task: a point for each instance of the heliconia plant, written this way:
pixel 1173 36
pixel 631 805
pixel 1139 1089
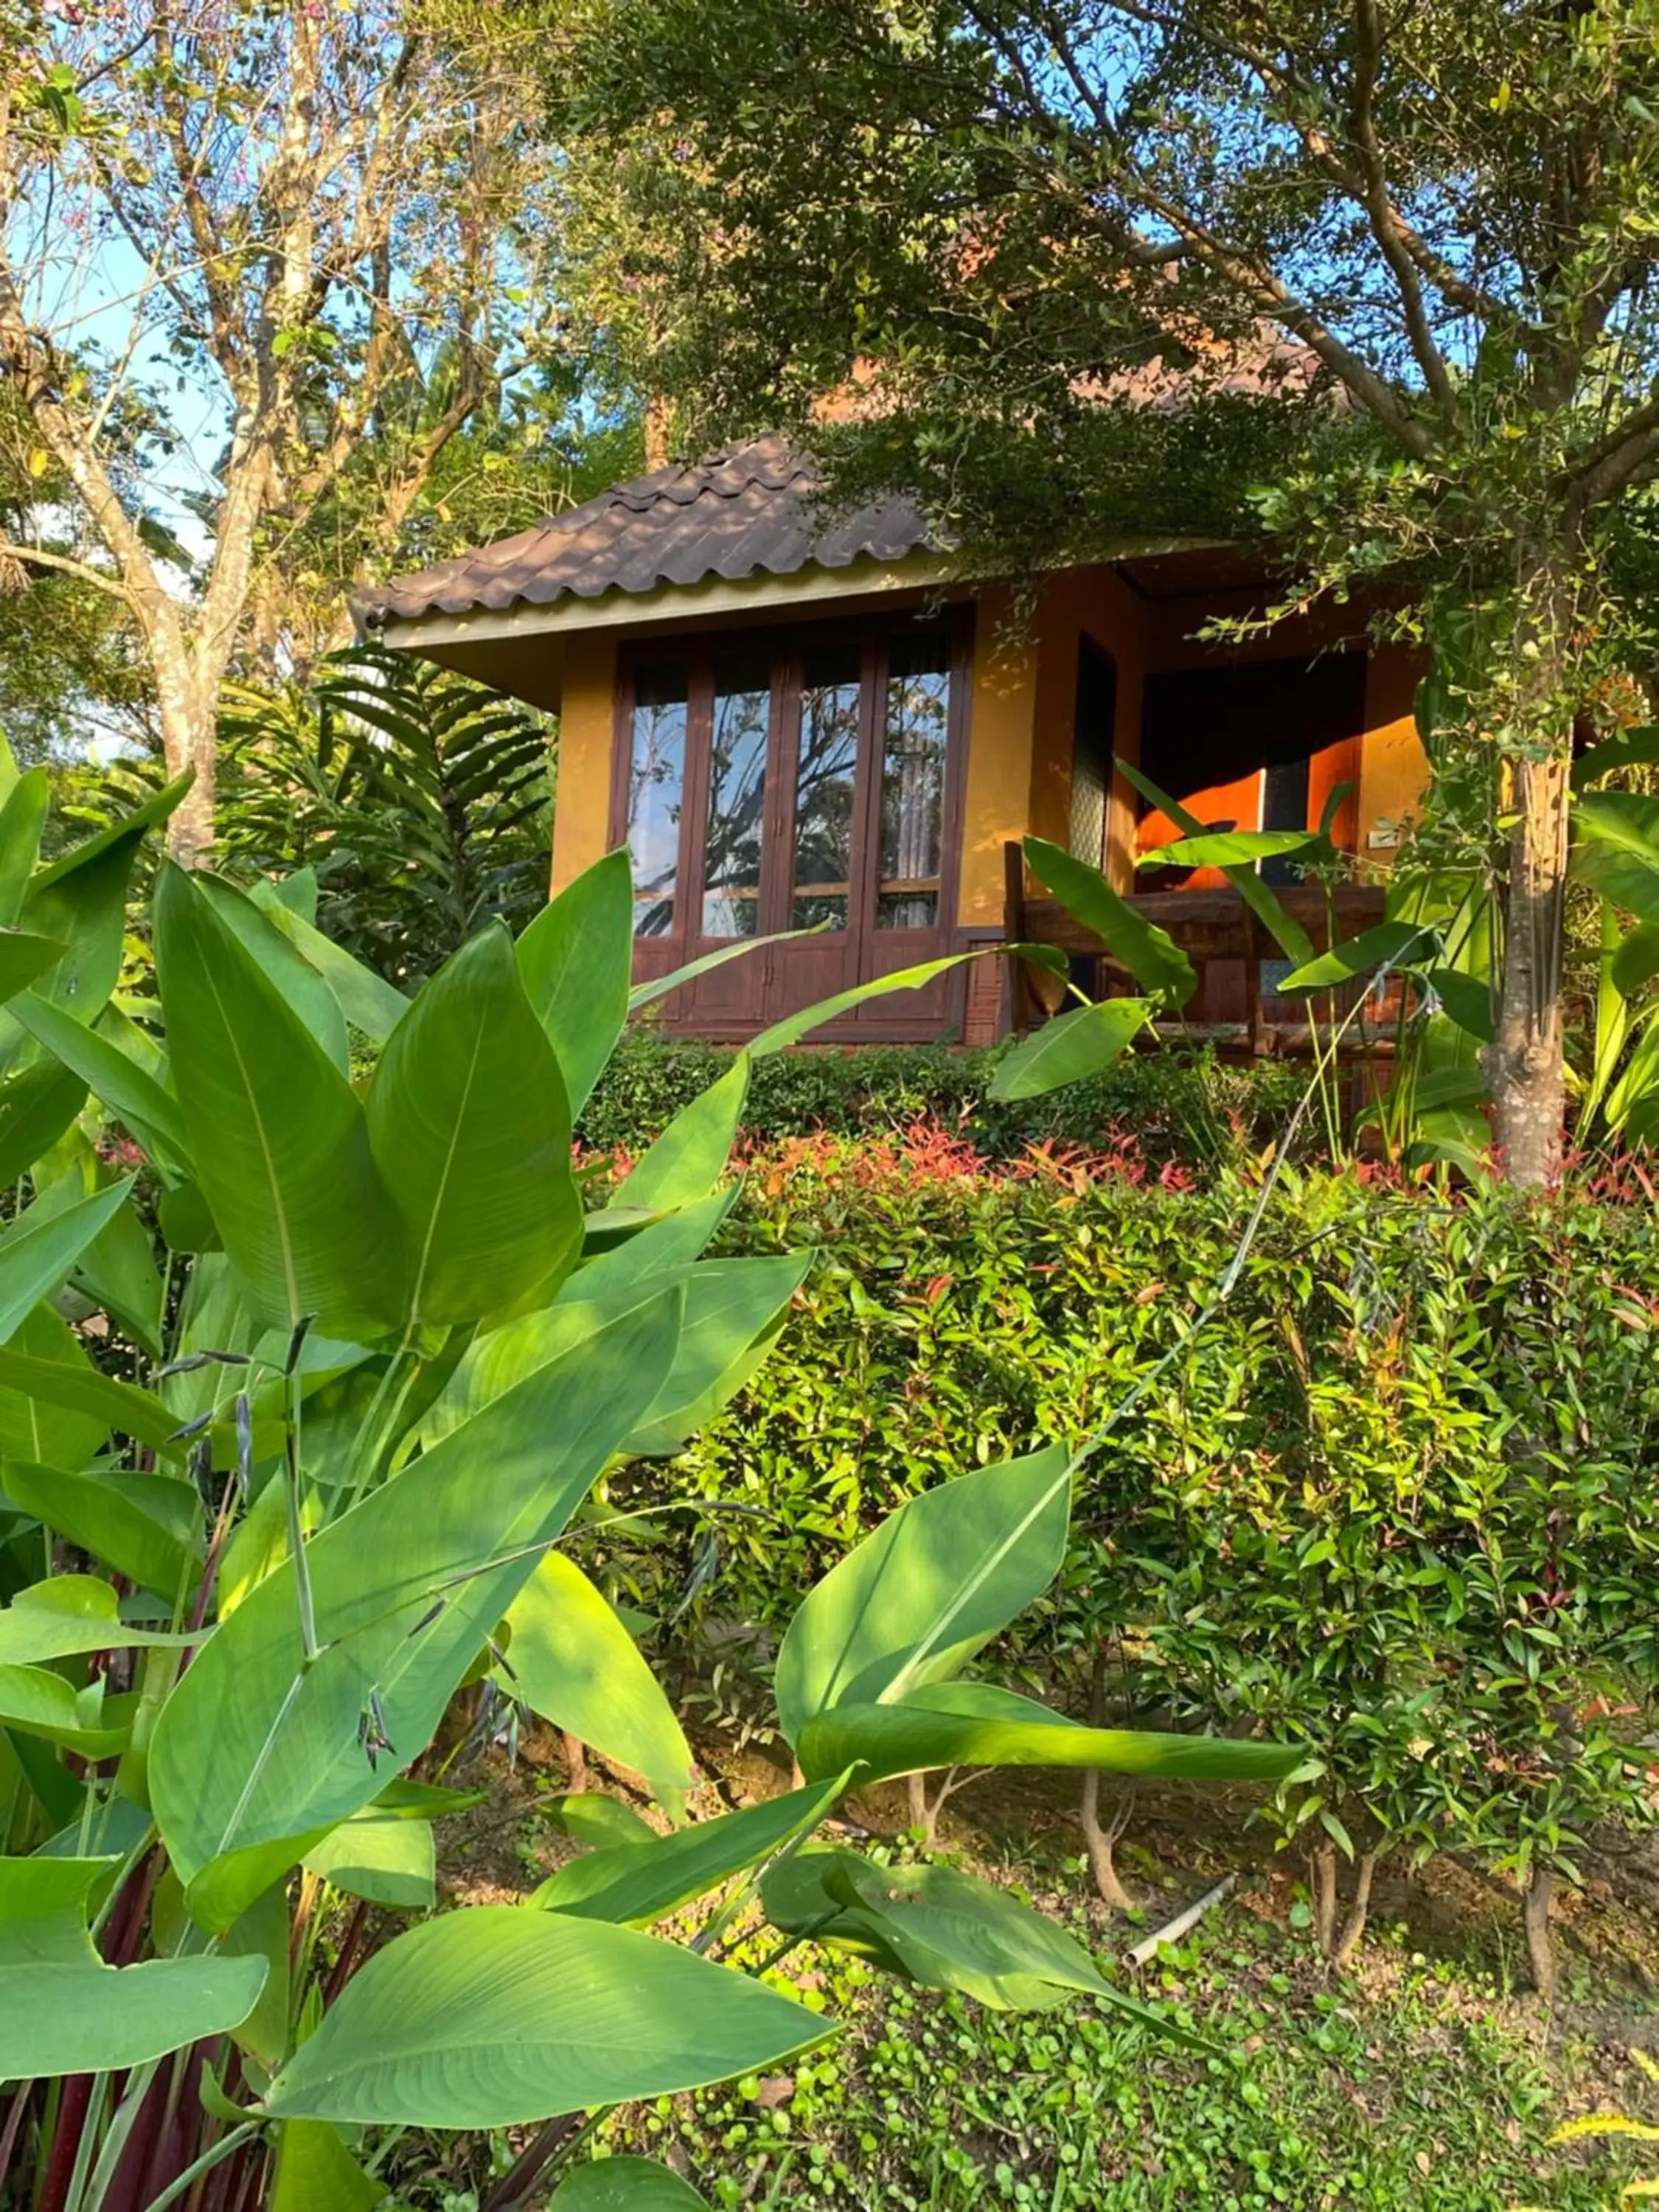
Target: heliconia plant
pixel 291 1431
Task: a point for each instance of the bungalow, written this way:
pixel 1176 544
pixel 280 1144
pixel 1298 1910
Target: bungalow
pixel 790 723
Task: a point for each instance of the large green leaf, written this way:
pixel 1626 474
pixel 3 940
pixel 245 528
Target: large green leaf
pixel 945 1930
pixel 659 986
pixel 68 1614
pixel 1616 849
pixel 911 1738
pixel 917 1598
pixel 1638 1079
pixel 37 1105
pixel 641 1881
pixel 1070 1048
pixel 315 2172
pixel 136 1524
pixel 732 1310
pixel 36 1702
pixel 258 1753
pixel 35 1422
pixel 381 1857
pixel 22 817
pixel 45 1369
pixel 43 1244
pixel 1466 1000
pixel 625 2184
pixel 82 901
pixel 794 1027
pixel 113 1076
pixel 1630 748
pixel 22 958
pixel 688 1159
pixel 1637 960
pixel 64 2011
pixel 295 982
pixel 503 2015
pixel 1151 954
pixel 471 1134
pixel 277 1133
pixel 574 960
pixel 1292 941
pixel 1229 848
pixel 117 1270
pixel 1388 942
pixel 570 1660
pixel 368 1002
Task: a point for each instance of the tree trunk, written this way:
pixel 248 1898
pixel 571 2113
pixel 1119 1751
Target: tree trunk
pixel 1354 1926
pixel 1525 1061
pixel 1101 1840
pixel 189 740
pixel 576 1758
pixel 1540 1952
pixel 1324 1862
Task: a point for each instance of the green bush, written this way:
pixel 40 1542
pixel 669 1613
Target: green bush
pixel 1178 1106
pixel 1393 1500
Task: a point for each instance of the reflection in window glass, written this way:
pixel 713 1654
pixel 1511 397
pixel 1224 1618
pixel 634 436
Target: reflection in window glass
pixel 736 796
pixel 825 768
pixel 913 783
pixel 656 791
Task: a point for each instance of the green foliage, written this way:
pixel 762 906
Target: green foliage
pixel 934 2103
pixel 1180 1107
pixel 1393 1501
pixel 401 1354
pixel 422 802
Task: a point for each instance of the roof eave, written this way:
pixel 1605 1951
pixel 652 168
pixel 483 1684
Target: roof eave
pixel 615 609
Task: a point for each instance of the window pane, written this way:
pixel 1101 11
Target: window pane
pixel 656 792
pixel 736 796
pixel 913 783
pixel 825 766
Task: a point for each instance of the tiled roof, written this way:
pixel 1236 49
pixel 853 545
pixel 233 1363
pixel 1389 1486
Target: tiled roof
pixel 738 514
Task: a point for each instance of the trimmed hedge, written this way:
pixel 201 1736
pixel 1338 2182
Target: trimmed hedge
pixel 1179 1106
pixel 1396 1498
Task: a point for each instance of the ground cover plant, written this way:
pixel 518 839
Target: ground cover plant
pixel 313 1485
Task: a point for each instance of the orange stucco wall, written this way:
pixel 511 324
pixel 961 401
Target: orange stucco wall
pixel 582 815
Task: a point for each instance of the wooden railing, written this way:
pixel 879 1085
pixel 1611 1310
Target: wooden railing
pixel 1208 925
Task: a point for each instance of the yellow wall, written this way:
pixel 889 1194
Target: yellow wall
pixel 587 719
pixel 1020 723
pixel 1392 767
pixel 996 803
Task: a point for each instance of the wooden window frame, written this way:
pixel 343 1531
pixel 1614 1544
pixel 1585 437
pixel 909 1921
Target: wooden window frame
pixel 786 649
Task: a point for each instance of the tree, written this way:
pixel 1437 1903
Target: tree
pixel 1432 225
pixel 296 212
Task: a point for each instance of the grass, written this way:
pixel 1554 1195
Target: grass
pixel 1413 2091
pixel 1422 2082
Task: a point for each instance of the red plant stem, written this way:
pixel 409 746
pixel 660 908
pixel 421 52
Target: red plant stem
pixel 350 1943
pixel 126 2191
pixel 74 2102
pixel 517 2182
pixel 125 1930
pixel 14 2128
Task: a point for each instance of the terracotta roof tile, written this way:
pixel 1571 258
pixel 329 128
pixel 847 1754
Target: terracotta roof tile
pixel 738 514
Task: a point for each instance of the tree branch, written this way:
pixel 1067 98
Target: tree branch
pixel 37 557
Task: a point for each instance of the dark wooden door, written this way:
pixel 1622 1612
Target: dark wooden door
pixel 1253 747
